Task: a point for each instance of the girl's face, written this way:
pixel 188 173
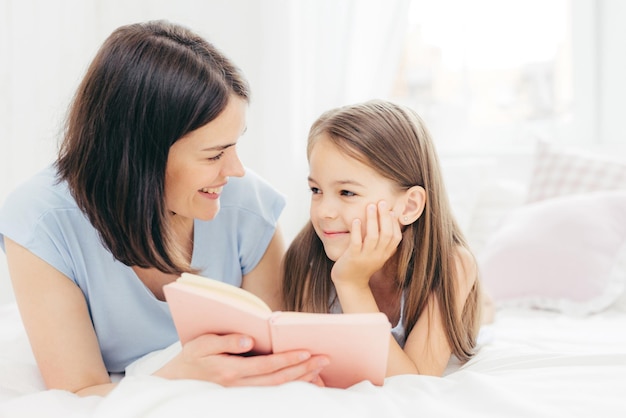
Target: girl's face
pixel 342 187
pixel 199 164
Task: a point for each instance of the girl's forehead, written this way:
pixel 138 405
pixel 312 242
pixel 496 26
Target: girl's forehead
pixel 329 163
pixel 332 145
pixel 325 150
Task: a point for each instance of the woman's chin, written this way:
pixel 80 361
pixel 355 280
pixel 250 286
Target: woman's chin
pixel 208 215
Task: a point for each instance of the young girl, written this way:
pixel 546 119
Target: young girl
pixel 382 237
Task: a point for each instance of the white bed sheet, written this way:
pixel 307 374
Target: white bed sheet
pixel 535 364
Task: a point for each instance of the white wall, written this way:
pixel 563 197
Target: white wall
pixel 45 47
pixel 43 60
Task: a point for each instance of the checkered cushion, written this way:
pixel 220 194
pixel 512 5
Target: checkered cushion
pixel 560 172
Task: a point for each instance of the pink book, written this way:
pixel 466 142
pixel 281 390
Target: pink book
pixel 356 344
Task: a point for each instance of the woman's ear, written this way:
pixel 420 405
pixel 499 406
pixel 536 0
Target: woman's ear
pixel 414 203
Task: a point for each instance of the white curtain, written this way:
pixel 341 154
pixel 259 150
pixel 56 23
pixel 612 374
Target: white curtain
pixel 316 54
pixel 301 57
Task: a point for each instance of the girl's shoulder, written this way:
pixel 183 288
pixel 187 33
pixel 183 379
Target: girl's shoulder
pixel 466 269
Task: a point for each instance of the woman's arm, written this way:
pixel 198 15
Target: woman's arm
pixel 66 349
pixel 57 322
pixel 265 279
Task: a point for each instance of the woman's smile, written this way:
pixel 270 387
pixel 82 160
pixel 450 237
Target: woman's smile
pixel 211 192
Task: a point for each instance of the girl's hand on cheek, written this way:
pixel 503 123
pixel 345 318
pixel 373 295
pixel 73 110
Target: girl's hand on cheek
pixel 366 255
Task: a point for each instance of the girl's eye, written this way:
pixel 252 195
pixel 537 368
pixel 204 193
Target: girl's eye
pixel 217 157
pixel 347 193
pixel 315 190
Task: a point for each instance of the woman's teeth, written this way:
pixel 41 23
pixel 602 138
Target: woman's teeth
pixel 211 189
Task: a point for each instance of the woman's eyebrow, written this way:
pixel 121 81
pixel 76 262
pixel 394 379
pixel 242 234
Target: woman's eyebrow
pixel 223 147
pixel 219 147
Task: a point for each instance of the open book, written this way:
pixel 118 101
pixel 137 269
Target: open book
pixel 356 344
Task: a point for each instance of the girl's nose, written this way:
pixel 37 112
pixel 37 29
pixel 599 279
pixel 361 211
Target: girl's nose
pixel 326 208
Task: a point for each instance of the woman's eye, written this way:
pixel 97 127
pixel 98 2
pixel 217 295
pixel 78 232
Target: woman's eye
pixel 315 190
pixel 347 193
pixel 217 157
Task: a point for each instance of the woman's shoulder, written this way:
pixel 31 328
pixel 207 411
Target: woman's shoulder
pixel 39 204
pixel 253 193
pixel 36 202
pixel 251 179
pixel 41 192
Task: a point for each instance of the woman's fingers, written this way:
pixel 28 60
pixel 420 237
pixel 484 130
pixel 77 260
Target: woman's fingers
pixel 281 368
pixel 214 358
pixel 210 344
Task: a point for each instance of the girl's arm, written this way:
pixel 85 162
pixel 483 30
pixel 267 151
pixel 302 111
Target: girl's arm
pixel 426 350
pixel 427 345
pixel 54 313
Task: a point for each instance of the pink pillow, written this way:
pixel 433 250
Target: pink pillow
pixel 565 171
pixel 566 254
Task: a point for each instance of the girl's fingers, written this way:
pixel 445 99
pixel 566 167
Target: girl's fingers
pixel 371 228
pixel 397 230
pixel 355 236
pixel 385 220
pixel 382 230
pixel 390 230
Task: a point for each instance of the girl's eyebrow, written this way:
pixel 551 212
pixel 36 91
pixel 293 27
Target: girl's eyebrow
pixel 340 182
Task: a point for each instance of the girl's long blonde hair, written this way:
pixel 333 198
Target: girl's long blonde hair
pixel 394 141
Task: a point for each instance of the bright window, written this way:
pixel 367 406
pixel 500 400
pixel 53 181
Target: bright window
pixel 489 74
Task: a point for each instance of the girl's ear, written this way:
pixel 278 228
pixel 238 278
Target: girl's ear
pixel 414 203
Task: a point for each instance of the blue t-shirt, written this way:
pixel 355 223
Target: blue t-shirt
pixel 42 216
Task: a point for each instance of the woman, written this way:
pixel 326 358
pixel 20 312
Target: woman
pixel 147 185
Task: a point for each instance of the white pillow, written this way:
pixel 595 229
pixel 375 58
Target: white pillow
pixel 560 171
pixel 496 199
pixel 566 254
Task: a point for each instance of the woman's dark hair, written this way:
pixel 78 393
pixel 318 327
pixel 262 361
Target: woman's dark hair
pixel 149 85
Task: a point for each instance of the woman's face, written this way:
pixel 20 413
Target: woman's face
pixel 342 187
pixel 199 164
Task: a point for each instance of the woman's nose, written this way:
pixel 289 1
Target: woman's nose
pixel 232 165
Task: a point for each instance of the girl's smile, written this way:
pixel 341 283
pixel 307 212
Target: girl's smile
pixel 342 187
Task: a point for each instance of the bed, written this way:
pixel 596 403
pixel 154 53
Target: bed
pixel 555 265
